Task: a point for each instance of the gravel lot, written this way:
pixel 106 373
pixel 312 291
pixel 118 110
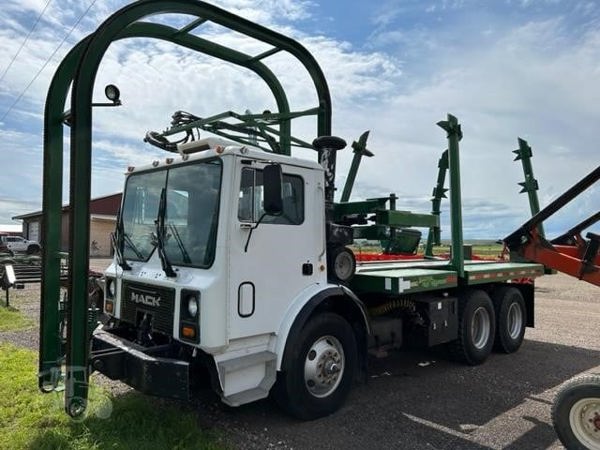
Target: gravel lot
pixel 419 400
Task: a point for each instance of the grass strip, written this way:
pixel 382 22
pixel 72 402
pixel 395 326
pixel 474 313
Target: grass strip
pixel 32 420
pixel 12 319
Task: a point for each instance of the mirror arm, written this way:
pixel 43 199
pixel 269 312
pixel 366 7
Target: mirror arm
pixel 251 230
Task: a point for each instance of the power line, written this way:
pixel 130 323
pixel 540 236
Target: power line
pixel 47 61
pixel 25 41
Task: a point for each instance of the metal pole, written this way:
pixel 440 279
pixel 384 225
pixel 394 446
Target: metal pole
pixel 439 192
pixel 327 147
pixel 360 149
pixel 516 239
pixel 454 134
pixel 530 185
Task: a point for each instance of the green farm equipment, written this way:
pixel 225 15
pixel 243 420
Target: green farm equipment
pixel 232 253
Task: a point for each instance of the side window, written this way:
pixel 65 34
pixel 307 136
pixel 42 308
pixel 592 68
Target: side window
pixel 250 206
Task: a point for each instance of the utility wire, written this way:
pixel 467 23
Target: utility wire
pixel 47 61
pixel 25 41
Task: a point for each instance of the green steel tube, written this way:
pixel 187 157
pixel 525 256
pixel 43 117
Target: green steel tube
pixel 81 111
pixel 360 149
pixel 454 134
pixel 158 31
pixel 50 351
pixel 439 192
pixel 530 185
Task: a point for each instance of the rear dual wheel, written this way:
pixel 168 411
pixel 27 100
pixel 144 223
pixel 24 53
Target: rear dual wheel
pixel 476 328
pixel 511 319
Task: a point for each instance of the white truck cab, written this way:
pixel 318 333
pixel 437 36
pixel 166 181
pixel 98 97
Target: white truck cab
pixel 226 278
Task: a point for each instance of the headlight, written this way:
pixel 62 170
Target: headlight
pixel 192 306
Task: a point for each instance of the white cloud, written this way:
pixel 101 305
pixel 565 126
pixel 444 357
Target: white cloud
pixel 535 79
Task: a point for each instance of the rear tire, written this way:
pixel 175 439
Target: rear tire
pixel 476 328
pixel 511 319
pixel 321 368
pixel 576 413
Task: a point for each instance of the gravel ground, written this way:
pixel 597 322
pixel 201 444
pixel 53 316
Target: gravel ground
pixel 419 400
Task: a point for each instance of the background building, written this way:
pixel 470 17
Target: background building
pixel 103 218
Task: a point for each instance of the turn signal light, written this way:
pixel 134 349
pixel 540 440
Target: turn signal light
pixel 108 307
pixel 188 332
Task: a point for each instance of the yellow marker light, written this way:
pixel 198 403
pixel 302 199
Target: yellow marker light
pixel 188 332
pixel 108 307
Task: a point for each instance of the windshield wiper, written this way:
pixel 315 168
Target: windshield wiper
pixel 117 242
pixel 177 236
pixel 127 240
pixel 161 233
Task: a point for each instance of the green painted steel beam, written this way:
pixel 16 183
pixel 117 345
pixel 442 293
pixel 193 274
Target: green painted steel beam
pixel 403 281
pixel 454 135
pixel 406 219
pixel 50 349
pixel 359 207
pixel 360 149
pixel 82 70
pixel 166 33
pixel 530 185
pixel 439 193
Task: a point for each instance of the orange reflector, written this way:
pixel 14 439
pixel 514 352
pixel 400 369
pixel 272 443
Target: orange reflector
pixel 188 332
pixel 108 307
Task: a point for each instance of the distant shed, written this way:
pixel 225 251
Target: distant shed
pixel 103 218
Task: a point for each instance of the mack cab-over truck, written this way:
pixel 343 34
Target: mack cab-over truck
pixel 232 257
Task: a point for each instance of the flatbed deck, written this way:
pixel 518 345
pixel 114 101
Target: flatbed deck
pixel 411 276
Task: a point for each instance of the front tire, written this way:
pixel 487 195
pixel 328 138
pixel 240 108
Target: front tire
pixel 321 368
pixel 511 317
pixel 476 328
pixel 576 413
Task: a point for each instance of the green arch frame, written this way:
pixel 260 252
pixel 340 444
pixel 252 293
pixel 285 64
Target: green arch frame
pixel 78 70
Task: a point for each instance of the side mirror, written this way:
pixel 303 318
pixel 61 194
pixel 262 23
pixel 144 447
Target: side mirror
pixel 272 181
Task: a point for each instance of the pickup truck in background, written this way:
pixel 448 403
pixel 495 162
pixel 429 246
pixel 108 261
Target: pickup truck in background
pixel 18 244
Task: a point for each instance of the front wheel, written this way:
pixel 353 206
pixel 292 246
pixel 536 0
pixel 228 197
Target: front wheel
pixel 321 368
pixel 576 413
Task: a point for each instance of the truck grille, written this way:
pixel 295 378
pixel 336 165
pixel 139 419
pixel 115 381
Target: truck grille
pixel 139 299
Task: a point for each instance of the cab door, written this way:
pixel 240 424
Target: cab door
pixel 273 258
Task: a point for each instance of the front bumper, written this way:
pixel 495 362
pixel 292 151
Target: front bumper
pixel 147 370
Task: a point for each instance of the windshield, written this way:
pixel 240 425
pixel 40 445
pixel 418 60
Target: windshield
pixel 192 206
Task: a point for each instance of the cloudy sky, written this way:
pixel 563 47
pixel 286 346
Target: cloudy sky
pixel 528 68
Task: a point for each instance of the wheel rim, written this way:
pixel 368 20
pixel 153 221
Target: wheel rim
pixel 480 327
pixel 324 366
pixel 515 320
pixel 584 419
